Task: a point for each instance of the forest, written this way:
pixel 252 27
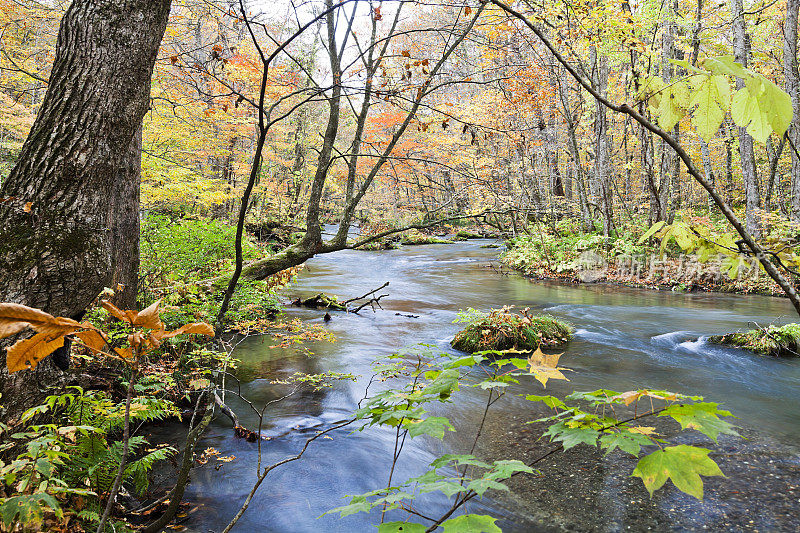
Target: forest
pixel 399 265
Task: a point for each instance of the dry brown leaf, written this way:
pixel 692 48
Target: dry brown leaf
pixel 149 317
pixel 199 328
pixel 28 352
pixel 125 353
pixel 630 396
pixel 126 316
pixel 15 317
pixel 93 339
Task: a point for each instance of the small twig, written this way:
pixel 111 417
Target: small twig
pixel 126 436
pixel 372 302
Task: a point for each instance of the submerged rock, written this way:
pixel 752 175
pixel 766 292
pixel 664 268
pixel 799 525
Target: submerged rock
pixel 776 341
pixel 503 329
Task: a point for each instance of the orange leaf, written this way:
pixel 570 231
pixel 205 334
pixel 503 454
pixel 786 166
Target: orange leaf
pixel 93 339
pixel 149 317
pixel 199 328
pixel 467 10
pixel 125 353
pixel 28 352
pixel 125 316
pixel 28 207
pixel 405 53
pixel 15 317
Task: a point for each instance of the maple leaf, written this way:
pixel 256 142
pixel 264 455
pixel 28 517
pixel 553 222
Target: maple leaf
pixel 545 366
pixel 682 464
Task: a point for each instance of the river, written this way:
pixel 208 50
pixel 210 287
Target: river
pixel 625 339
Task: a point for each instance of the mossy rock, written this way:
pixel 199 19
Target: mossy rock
pixel 776 341
pixel 502 329
pixel 320 301
pixel 463 235
pixel 414 238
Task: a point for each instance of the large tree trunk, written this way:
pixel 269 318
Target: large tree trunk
pixel 68 194
pixel 793 88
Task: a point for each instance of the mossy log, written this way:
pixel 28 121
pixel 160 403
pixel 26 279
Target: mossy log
pixel 502 329
pixel 320 301
pixel 775 341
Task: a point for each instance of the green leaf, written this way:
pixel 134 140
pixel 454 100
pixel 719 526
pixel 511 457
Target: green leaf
pixel 462 459
pixel 401 527
pixel 444 384
pixel 449 488
pixel 777 105
pixel 433 426
pixel 628 442
pixel 653 229
pixel 468 360
pixel 483 484
pixel 702 416
pixel 358 504
pixel 550 401
pixel 682 464
pixel 725 65
pixel 28 509
pixel 572 436
pixel 747 113
pixel 471 523
pixel 711 106
pixel 504 469
pixel 673 104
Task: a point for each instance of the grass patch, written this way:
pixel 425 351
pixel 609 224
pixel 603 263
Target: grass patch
pixel 777 341
pixel 503 329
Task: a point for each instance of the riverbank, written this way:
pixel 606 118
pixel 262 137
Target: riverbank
pixel 677 274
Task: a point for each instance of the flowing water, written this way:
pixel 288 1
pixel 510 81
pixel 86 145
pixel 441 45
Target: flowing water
pixel 625 339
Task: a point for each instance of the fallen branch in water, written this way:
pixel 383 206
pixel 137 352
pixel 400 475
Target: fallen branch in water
pixel 373 291
pixel 372 301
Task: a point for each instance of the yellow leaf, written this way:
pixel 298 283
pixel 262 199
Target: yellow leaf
pixel 630 396
pixel 545 366
pixel 28 352
pixel 644 430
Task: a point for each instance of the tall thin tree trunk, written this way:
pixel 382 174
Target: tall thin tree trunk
pixel 792 76
pixel 749 175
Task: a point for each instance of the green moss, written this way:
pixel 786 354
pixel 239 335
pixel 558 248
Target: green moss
pixel 321 301
pixel 417 237
pixel 502 329
pixel 463 235
pixel 783 341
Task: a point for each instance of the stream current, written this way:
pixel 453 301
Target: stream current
pixel 625 339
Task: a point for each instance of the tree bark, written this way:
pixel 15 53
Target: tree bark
pixel 749 175
pixel 792 77
pixel 57 222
